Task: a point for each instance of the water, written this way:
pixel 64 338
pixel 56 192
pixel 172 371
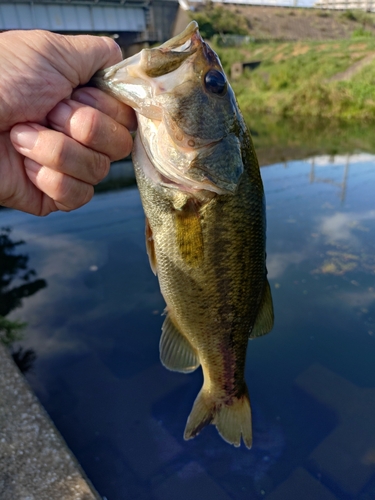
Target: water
pixel 95 330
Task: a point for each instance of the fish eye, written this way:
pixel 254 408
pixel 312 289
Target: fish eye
pixel 215 82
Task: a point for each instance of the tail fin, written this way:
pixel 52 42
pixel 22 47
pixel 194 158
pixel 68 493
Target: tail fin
pixel 232 421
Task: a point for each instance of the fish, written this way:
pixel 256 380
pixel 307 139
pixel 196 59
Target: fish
pixel 203 198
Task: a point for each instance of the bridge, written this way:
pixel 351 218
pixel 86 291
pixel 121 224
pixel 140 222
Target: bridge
pixel 133 23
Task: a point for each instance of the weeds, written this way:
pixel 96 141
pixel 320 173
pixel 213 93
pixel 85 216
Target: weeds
pixel 293 79
pixel 362 33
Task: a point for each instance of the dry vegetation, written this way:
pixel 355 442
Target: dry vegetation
pixel 285 23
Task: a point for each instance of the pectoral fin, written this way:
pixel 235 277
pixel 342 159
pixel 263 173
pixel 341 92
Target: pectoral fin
pixel 264 320
pixel 151 248
pixel 176 352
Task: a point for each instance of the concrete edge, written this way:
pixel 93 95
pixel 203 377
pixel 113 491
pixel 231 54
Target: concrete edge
pixel 35 461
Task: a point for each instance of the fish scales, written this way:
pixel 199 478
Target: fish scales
pixel 203 198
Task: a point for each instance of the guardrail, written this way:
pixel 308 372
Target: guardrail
pixel 366 5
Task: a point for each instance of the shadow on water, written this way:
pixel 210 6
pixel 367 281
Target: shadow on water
pixel 17 282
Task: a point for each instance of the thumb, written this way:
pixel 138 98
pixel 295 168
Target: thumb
pixel 91 53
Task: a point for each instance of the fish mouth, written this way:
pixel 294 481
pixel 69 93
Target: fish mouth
pixel 138 79
pixel 177 42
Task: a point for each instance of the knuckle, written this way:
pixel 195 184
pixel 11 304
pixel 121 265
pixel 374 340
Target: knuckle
pixel 123 146
pixel 87 194
pixel 72 196
pixel 100 167
pixel 59 152
pixel 128 144
pixel 88 126
pixel 62 190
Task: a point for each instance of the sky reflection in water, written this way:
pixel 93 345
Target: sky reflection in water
pixel 96 329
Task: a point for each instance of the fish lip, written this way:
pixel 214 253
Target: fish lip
pixel 188 39
pixel 107 79
pixel 191 32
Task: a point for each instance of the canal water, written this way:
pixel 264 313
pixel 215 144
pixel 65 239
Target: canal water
pixel 93 330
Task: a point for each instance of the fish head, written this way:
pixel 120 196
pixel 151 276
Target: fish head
pixel 188 118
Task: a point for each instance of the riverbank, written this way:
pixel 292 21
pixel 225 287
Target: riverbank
pixel 330 79
pixel 35 462
pixel 311 63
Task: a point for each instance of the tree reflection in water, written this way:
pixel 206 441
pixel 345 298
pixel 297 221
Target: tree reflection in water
pixel 17 282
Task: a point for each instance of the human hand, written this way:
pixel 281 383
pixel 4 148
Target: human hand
pixel 57 142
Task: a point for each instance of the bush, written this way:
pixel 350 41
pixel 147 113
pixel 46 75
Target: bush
pixel 360 33
pixel 349 15
pixel 215 19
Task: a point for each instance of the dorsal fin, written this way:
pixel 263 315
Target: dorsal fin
pixel 176 352
pixel 264 320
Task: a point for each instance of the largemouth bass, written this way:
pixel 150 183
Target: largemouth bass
pixel 203 198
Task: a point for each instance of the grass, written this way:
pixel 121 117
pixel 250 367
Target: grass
pixel 294 78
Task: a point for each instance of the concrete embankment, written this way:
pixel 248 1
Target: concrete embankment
pixel 35 462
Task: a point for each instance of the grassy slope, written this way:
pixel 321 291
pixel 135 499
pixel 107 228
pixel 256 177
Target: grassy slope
pixel 294 78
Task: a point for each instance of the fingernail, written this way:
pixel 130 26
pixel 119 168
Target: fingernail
pixel 60 114
pixel 24 136
pixel 85 98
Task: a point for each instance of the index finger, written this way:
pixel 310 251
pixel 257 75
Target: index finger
pixel 108 105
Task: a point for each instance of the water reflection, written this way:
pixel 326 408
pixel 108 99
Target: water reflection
pixel 16 284
pixel 24 358
pixel 280 140
pixel 14 269
pixel 341 185
pixel 312 380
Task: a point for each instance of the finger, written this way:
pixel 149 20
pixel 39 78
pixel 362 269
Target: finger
pixel 66 192
pixel 82 55
pixel 95 53
pixel 108 105
pixel 91 128
pixel 59 153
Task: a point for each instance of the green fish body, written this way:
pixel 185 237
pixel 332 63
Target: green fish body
pixel 203 197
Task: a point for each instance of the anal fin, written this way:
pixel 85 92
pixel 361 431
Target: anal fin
pixel 264 320
pixel 176 352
